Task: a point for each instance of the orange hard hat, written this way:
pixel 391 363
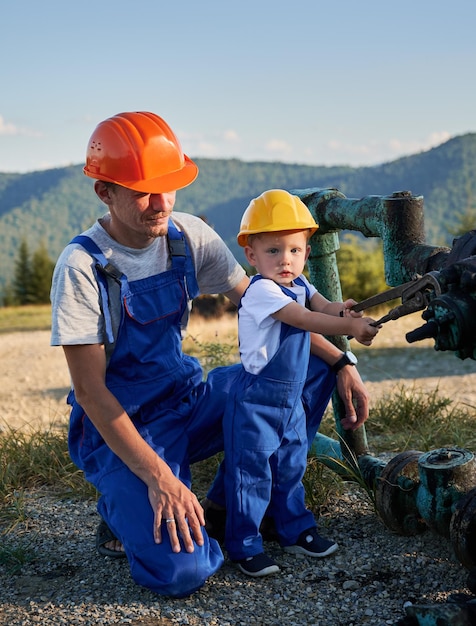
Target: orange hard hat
pixel 139 151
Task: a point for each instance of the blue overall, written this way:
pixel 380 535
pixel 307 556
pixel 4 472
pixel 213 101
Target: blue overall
pixel 266 447
pixel 178 414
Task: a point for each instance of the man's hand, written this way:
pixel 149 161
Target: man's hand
pixel 355 397
pixel 179 509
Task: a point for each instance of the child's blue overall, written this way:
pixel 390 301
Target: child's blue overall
pixel 178 414
pixel 266 447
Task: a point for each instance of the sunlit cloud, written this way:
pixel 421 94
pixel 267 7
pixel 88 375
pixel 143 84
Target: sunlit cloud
pixel 341 147
pixel 231 136
pixel 7 128
pixel 373 152
pixel 278 148
pixel 412 147
pixel 226 144
pixel 214 145
pixel 205 149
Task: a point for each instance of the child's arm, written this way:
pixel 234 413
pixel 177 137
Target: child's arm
pixel 323 305
pixel 296 315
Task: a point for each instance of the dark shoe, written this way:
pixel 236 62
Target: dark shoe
pixel 312 544
pixel 215 520
pixel 258 565
pixel 104 535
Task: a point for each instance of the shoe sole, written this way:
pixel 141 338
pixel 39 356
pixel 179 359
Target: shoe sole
pixel 318 555
pixel 266 571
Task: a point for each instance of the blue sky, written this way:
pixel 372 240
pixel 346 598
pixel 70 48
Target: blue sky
pixel 355 82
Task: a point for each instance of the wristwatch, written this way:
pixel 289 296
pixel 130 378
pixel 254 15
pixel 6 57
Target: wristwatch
pixel 348 358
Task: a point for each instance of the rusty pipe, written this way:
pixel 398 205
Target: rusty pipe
pixel 398 219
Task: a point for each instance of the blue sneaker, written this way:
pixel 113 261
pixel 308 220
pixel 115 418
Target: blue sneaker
pixel 312 544
pixel 258 565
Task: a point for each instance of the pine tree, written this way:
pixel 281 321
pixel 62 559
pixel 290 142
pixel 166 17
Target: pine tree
pixel 22 275
pixel 8 296
pixel 41 273
pixel 464 220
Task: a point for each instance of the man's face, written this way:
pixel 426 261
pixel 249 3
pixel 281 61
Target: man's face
pixel 136 218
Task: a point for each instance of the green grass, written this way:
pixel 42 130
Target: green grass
pixel 212 354
pixel 31 460
pixel 13 555
pixel 411 418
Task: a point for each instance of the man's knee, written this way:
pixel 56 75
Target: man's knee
pixel 175 574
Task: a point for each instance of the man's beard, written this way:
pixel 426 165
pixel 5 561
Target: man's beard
pixel 154 230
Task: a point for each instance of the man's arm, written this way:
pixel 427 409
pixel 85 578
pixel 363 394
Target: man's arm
pixel 235 294
pixel 350 387
pixel 168 496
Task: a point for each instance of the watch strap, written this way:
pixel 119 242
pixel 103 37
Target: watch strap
pixel 342 362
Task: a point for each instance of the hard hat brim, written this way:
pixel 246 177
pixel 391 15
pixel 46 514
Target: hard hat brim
pixel 173 181
pixel 242 237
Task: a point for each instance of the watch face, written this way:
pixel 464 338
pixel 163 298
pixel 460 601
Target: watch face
pixel 351 356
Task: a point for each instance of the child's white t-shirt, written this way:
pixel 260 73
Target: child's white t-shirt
pixel 258 332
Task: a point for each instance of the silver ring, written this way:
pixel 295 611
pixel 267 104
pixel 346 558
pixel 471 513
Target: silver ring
pixel 169 520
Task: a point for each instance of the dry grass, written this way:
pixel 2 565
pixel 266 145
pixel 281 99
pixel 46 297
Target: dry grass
pixel 213 341
pixel 221 330
pixel 25 318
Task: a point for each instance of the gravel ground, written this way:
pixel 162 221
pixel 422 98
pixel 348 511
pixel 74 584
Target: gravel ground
pixel 367 581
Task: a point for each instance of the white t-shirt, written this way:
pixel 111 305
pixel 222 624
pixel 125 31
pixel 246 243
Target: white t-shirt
pixel 258 332
pixel 76 311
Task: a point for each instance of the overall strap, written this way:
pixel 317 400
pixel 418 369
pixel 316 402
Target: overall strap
pixel 253 279
pixel 298 281
pixel 182 259
pixel 285 328
pixel 103 270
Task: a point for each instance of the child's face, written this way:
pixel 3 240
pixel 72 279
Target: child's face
pixel 279 256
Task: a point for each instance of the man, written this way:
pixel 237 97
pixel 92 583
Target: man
pixel 141 413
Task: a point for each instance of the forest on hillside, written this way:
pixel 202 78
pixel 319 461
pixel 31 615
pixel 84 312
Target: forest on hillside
pixel 49 207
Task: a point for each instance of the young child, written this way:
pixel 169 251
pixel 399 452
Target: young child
pixel 264 424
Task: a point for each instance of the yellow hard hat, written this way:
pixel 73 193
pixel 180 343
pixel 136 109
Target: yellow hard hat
pixel 272 211
pixel 139 150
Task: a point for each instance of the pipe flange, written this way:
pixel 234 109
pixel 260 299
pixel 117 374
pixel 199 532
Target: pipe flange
pixel 445 458
pixel 395 494
pixel 463 530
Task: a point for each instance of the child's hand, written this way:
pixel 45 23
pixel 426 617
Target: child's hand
pixel 348 304
pixel 363 331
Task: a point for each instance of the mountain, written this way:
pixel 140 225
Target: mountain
pixel 52 206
